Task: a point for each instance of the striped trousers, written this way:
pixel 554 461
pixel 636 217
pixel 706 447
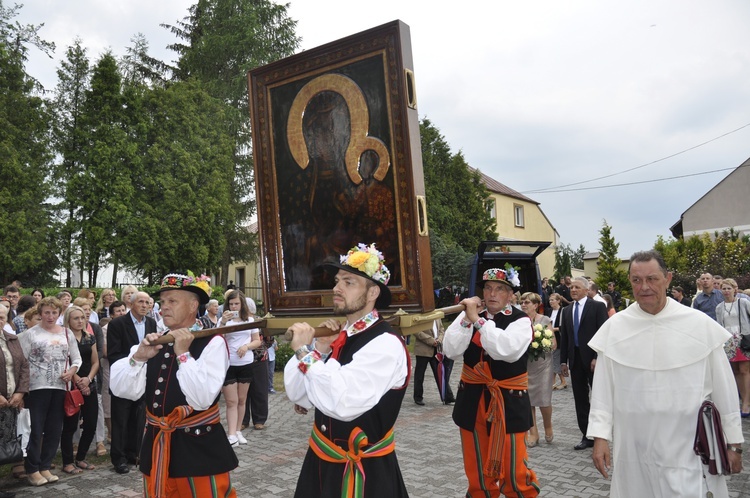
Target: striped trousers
pixel 519 481
pixel 218 486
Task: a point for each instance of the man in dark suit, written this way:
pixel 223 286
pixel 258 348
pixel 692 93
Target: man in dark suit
pixel 564 290
pixel 128 417
pixel 580 321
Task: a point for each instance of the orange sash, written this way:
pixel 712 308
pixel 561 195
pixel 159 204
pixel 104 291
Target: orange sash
pixel 481 374
pixel 353 482
pixel 180 418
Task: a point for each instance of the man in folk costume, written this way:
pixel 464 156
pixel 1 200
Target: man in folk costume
pixel 658 361
pixel 182 382
pixel 356 384
pixel 492 405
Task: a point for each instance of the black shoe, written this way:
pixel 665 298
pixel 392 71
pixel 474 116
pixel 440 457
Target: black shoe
pixel 7 494
pixel 122 468
pixel 585 443
pixel 419 402
pixel 449 401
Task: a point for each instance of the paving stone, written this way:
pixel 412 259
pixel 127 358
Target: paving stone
pixel 427 445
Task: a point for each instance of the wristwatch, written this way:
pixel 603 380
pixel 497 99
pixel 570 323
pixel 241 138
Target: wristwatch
pixel 736 449
pixel 302 352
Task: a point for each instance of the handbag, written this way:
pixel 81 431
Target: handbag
pixel 10 445
pixel 73 399
pixel 709 440
pixel 744 338
pixel 745 343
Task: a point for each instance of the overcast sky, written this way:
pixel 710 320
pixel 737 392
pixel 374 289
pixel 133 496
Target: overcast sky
pixel 537 94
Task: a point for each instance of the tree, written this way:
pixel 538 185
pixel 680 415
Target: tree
pixel 69 142
pixel 221 40
pixel 576 257
pixel 138 68
pixel 25 216
pixel 562 262
pixel 182 182
pixel 726 254
pixel 457 199
pixel 109 161
pixel 450 263
pixel 608 265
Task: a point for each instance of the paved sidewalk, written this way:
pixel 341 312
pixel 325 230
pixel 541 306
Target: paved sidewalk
pixel 427 446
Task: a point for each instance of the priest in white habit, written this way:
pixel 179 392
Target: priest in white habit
pixel 657 362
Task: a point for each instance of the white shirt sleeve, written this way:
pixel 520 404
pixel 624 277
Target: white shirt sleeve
pixel 347 391
pixel 128 381
pixel 294 383
pixel 506 344
pixel 457 338
pixel 200 380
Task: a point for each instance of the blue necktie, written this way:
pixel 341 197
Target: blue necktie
pixel 576 324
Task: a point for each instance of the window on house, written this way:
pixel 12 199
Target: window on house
pixel 492 208
pixel 518 215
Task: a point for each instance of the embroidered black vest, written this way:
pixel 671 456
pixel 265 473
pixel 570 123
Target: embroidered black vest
pixel 383 476
pixel 197 451
pixel 517 405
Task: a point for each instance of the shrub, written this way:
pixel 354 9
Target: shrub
pixel 282 355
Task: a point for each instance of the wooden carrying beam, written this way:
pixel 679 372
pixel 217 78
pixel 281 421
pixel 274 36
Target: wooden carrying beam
pixel 405 322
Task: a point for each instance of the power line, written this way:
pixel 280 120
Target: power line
pixel 634 183
pixel 543 190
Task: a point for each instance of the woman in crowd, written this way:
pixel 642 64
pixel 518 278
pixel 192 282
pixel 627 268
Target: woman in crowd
pixel 540 374
pixel 257 395
pixel 555 302
pixel 610 305
pixel 211 318
pixel 76 320
pixel 54 359
pixel 127 294
pixel 238 377
pixel 14 379
pixel 31 318
pixel 96 330
pixel 734 315
pixel 106 298
pixel 37 294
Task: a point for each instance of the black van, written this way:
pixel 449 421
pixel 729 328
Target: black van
pixel 521 254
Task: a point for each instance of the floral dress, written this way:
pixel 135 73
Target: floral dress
pixel 731 322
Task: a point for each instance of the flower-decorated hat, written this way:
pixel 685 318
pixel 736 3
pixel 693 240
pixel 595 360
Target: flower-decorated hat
pixel 366 261
pixel 197 285
pixel 508 276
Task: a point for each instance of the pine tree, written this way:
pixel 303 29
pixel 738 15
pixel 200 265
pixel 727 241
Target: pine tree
pixel 29 251
pixel 608 265
pixel 562 262
pixel 457 198
pixel 221 40
pixel 69 142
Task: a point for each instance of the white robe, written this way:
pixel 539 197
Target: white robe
pixel 652 374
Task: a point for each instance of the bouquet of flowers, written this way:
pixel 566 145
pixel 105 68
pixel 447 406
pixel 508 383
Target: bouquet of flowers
pixel 541 343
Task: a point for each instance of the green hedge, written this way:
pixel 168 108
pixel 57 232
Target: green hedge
pixel 282 356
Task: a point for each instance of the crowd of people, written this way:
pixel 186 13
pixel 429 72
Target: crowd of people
pixel 355 377
pixel 56 344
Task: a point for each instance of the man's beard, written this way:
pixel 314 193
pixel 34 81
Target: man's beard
pixel 357 305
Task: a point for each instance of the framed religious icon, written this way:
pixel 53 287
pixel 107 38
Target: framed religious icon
pixel 337 163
